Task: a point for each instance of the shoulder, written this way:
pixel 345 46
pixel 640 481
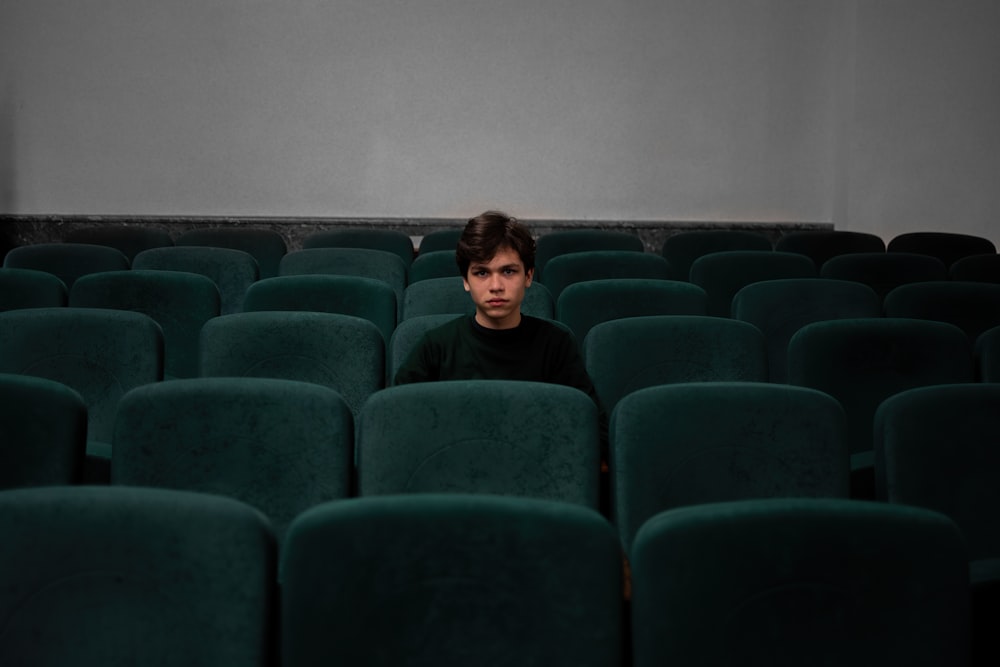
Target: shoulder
pixel 546 328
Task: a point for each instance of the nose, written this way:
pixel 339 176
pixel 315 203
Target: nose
pixel 495 283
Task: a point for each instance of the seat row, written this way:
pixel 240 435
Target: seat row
pixel 125 575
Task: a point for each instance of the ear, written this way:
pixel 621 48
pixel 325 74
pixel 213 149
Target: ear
pixel 465 283
pixel 528 275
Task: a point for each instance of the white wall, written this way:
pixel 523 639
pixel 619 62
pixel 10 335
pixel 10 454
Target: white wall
pixel 769 110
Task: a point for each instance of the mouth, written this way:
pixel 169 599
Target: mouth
pixel 496 302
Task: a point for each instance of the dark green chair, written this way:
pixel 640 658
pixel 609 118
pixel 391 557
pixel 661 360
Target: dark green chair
pixel 389 240
pixel 683 248
pixel 406 337
pixel 441 239
pixel 583 305
pixel 936 447
pixel 232 271
pixel 122 576
pixel 278 445
pixel 342 352
pixel 575 267
pixel 986 353
pixel 972 307
pixel 821 245
pixel 779 308
pixel 976 268
pixel 480 436
pixel 949 247
pixel 437 296
pixel 265 245
pixel 376 264
pixel 29 288
pixel 366 298
pixel 437 264
pixel 451 581
pixel 66 261
pixel 100 353
pixel 553 244
pixel 723 274
pixel 43 432
pixel 862 362
pixel 178 301
pixel 782 582
pixel 884 271
pixel 689 444
pixel 130 239
pixel 623 356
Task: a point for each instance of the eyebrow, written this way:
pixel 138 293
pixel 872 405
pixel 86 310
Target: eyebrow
pixel 476 267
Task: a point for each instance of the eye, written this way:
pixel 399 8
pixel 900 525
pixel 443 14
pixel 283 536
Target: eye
pixel 479 272
pixel 510 271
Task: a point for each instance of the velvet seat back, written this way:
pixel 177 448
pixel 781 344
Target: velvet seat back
pixel 553 244
pixel 683 248
pixel 232 271
pixel 388 240
pixel 66 261
pixel 265 245
pixel 723 274
pixel 820 246
pixel 30 288
pixel 572 268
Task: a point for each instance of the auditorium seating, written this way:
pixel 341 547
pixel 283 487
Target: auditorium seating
pixel 405 337
pixel 66 261
pixel 683 248
pixel 820 246
pixel 438 264
pixel 949 247
pixel 387 240
pixel 442 239
pixel 575 267
pixel 972 307
pixel 129 239
pixel 553 244
pixel 30 288
pixel 884 271
pixel 232 271
pixel 266 246
pixel 723 274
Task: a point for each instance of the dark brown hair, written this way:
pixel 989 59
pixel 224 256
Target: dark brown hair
pixel 487 234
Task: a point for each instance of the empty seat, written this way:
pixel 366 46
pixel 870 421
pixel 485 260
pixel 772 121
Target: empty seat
pixel 480 436
pixel 623 356
pixel 571 268
pixel 682 248
pixel 553 244
pixel 389 240
pixel 29 288
pixel 67 261
pixel 585 304
pixel 972 307
pixel 689 444
pixel 278 445
pixel 130 239
pixel 370 299
pixel 405 338
pixel 232 271
pixel 723 274
pixel 861 362
pixel 986 352
pixel 883 271
pixel 441 239
pixel 266 246
pixel 122 576
pixel 438 264
pixel 178 301
pixel 43 432
pixel 375 264
pixel 799 582
pixel 976 268
pixel 946 246
pixel 779 308
pixel 820 246
pixel 342 352
pixel 451 580
pixel 436 296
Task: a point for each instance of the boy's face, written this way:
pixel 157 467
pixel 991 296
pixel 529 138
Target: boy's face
pixel 497 288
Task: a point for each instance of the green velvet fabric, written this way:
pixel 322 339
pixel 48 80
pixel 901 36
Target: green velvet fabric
pixel 862 362
pixel 451 581
pixel 67 261
pixel 936 447
pixel 972 307
pixel 779 308
pixel 582 305
pixel 100 353
pixel 688 444
pixel 342 352
pixel 438 264
pixel 115 576
pixel 437 296
pixel 575 267
pixel 987 355
pixel 558 243
pixel 442 239
pixel 820 246
pixel 232 271
pixel 30 288
pixel 265 245
pixel 683 248
pixel 407 335
pixel 946 246
pixel 884 271
pixel 388 240
pixel 977 268
pixel 629 354
pixel 43 432
pixel 723 274
pixel 485 436
pixel 130 239
pixel 373 300
pixel 179 302
pixel 278 445
pixel 785 582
